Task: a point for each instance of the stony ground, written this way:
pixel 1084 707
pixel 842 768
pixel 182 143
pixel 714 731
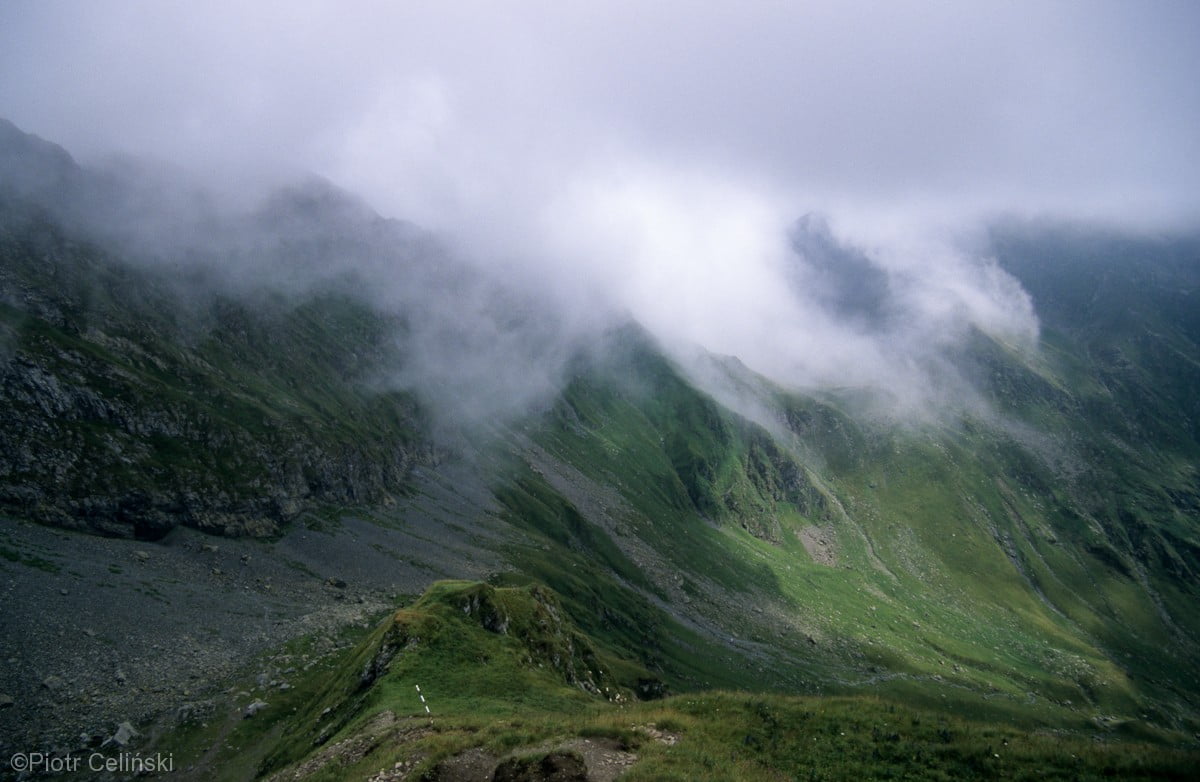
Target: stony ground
pixel 95 632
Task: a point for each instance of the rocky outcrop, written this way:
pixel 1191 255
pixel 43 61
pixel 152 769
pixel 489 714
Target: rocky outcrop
pixel 122 419
pixel 83 447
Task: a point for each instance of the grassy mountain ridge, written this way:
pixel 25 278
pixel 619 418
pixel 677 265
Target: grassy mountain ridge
pixel 494 667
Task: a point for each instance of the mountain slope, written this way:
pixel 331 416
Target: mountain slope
pixel 143 393
pixel 474 682
pixel 1026 556
pixel 131 410
pixel 937 561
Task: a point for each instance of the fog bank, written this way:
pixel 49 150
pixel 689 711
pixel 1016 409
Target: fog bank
pixel 796 186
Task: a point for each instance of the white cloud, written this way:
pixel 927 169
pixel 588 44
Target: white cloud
pixel 652 157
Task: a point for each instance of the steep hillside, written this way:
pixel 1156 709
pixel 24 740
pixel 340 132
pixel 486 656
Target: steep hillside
pixel 131 410
pixel 965 560
pixel 141 394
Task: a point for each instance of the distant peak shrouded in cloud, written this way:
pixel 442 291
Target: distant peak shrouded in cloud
pixel 704 264
pixel 790 184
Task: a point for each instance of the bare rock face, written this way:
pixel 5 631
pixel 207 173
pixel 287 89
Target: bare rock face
pixel 87 446
pixel 121 419
pixel 480 604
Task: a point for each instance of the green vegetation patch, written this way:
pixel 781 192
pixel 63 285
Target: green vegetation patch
pixel 504 675
pixel 12 555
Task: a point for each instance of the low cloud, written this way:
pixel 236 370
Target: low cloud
pixel 708 266
pixel 793 186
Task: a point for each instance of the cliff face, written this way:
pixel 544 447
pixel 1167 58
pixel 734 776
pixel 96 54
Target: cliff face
pixel 131 406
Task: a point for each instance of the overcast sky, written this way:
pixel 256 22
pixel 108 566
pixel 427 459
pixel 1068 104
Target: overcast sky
pixel 1091 107
pixel 655 153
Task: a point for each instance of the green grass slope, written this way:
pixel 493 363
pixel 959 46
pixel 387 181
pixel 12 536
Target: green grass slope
pixel 1026 564
pixel 508 679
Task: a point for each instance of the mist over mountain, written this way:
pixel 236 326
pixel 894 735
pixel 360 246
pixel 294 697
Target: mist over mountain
pixel 794 302
pixel 603 186
pixel 618 392
pixel 1006 435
